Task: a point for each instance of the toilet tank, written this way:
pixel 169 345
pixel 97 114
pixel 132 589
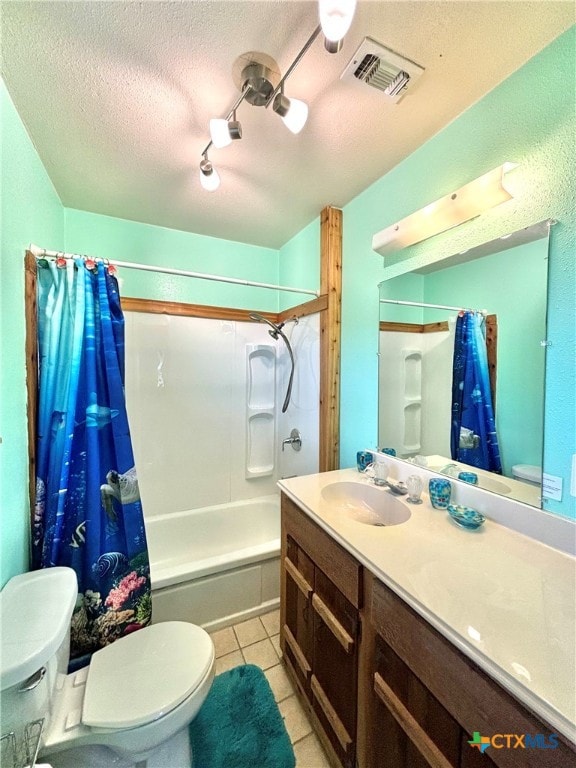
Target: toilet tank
pixel 35 613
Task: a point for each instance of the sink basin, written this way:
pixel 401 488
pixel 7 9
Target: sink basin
pixel 366 504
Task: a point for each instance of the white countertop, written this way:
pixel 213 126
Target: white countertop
pixel 504 599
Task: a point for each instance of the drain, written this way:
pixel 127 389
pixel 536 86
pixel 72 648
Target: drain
pixel 380 525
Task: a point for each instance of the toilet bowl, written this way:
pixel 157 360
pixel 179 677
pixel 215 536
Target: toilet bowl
pixel 135 694
pixel 527 473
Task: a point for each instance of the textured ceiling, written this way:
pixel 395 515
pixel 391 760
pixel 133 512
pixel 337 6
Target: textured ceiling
pixel 117 97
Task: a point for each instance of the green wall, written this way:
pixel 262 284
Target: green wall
pixel 299 264
pixel 123 240
pixel 528 119
pixel 31 212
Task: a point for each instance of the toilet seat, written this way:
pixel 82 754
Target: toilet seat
pixel 145 675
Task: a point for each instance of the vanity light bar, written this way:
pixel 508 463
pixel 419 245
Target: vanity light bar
pixel 466 203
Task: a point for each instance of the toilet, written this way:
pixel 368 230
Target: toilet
pixel 134 695
pixel 527 473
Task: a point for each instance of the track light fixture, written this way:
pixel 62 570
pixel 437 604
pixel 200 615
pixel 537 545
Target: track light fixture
pixel 261 84
pixel 224 132
pixel 335 19
pixel 209 177
pixel 293 112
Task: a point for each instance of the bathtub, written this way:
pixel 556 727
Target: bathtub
pixel 216 566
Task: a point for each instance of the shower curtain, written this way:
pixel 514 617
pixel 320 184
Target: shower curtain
pixel 473 438
pixel 88 514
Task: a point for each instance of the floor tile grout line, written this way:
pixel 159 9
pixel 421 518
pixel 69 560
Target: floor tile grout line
pixel 311 733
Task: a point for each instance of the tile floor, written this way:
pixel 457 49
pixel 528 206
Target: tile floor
pixel 256 641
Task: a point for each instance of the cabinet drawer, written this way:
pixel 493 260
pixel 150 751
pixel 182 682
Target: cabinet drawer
pixel 459 685
pixel 340 567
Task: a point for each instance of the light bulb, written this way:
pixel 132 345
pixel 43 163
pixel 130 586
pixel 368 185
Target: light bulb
pixel 209 177
pixel 336 17
pixel 296 116
pixel 220 133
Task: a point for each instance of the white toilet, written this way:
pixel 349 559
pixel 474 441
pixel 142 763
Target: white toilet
pixel 527 473
pixel 135 694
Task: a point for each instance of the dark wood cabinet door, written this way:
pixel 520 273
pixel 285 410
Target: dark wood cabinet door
pixel 298 630
pixel 335 666
pixel 411 728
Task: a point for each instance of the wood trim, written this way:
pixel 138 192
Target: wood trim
pixel 492 353
pixel 182 309
pixel 190 310
pixel 345 640
pixel 298 653
pixel 414 327
pixel 308 308
pixel 330 325
pixel 401 327
pixel 31 352
pixel 435 327
pixel 330 713
pixel 297 578
pixel 409 725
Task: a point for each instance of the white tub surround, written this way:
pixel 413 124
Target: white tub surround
pixel 503 598
pixel 217 565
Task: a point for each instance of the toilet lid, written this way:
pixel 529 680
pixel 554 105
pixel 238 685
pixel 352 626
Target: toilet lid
pixel 527 472
pixel 146 674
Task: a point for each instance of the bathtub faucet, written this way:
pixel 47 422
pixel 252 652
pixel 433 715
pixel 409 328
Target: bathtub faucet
pixel 295 440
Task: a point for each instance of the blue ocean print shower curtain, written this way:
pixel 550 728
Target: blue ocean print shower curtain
pixel 88 514
pixel 473 438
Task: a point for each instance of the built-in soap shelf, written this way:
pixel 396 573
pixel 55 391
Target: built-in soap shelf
pixel 260 410
pixel 412 400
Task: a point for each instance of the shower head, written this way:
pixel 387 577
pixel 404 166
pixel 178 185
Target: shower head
pixel 260 319
pixel 276 330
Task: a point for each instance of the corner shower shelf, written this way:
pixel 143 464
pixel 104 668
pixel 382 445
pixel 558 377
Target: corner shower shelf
pixel 412 400
pixel 260 410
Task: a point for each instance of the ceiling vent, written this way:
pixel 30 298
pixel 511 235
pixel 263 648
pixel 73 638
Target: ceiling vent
pixel 380 68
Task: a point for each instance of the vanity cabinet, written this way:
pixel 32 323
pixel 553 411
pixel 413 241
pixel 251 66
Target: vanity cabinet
pixel 428 699
pixel 321 593
pixel 383 688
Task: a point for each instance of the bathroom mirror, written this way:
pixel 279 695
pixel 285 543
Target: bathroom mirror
pixel 507 279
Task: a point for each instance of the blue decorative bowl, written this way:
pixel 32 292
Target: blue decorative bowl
pixel 465 517
pixel 468 477
pixel 439 489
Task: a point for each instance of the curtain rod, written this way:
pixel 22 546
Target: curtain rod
pixel 40 253
pixel 432 306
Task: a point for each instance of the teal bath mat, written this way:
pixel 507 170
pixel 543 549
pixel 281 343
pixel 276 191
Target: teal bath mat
pixel 240 725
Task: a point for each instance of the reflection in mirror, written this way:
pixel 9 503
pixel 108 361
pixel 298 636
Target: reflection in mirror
pixel 505 283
